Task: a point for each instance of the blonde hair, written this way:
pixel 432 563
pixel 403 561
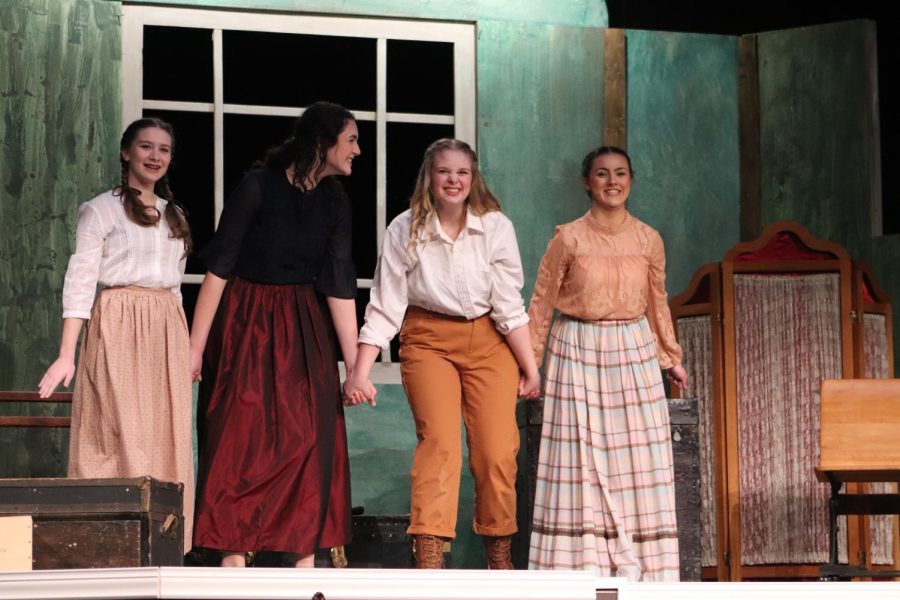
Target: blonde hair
pixel 422 205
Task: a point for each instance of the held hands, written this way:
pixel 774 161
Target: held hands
pixel 61 370
pixel 530 385
pixel 358 390
pixel 678 376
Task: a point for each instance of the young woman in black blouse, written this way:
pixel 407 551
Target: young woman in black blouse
pixel 274 472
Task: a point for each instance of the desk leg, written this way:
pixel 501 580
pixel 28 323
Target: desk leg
pixel 832 522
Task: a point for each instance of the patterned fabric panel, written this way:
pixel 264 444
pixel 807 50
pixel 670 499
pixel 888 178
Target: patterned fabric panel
pixel 788 340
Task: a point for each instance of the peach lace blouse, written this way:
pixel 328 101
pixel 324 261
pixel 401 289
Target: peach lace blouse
pixel 594 272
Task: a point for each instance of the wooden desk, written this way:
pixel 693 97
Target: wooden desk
pixel 859 430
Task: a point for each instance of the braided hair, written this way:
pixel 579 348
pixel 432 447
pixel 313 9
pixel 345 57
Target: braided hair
pixel 136 211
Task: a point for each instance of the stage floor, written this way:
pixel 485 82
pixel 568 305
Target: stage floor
pixel 401 584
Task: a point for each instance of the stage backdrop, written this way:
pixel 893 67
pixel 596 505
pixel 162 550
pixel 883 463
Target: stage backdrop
pixel 540 93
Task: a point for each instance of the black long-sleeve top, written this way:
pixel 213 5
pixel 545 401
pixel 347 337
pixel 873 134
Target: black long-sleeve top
pixel 271 232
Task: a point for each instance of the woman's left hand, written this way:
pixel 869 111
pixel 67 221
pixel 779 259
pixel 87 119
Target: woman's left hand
pixel 530 386
pixel 678 376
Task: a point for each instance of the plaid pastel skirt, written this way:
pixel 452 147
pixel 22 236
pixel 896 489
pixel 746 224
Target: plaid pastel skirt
pixel 605 494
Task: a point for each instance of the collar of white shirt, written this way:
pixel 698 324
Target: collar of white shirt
pixel 474 224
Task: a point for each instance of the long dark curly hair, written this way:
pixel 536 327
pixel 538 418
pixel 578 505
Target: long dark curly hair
pixel 148 216
pixel 314 132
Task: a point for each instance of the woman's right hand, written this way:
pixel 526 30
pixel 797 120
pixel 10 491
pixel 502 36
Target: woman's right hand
pixel 530 386
pixel 62 370
pixel 196 363
pixel 358 390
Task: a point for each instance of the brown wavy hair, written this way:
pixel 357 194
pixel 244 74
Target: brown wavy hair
pixel 136 211
pixel 314 133
pixel 422 205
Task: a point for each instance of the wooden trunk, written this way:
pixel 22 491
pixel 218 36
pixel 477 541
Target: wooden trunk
pixel 87 523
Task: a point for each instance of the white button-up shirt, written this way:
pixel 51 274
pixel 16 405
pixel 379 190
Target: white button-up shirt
pixel 478 273
pixel 112 250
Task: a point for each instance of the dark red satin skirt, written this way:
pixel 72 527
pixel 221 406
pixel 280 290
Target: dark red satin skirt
pixel 274 473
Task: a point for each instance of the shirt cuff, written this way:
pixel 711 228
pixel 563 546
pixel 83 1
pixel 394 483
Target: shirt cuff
pixel 512 324
pixel 76 314
pixel 365 337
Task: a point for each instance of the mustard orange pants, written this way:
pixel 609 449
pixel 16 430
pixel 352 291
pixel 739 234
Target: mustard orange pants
pixel 454 370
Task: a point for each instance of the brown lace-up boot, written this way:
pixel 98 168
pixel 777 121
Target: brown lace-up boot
pixel 429 551
pixel 497 550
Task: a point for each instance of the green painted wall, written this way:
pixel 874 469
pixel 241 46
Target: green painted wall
pixel 540 109
pixel 59 122
pixel 683 140
pixel 816 136
pixel 819 141
pixel 581 13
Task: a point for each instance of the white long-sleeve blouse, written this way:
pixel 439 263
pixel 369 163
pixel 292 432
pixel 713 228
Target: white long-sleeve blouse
pixel 478 273
pixel 112 250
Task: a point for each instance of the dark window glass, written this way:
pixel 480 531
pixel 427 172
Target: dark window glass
pixel 395 349
pixel 406 144
pixel 189 293
pixel 362 299
pixel 420 77
pixel 246 139
pixel 178 64
pixel 360 186
pixel 191 173
pixel 284 69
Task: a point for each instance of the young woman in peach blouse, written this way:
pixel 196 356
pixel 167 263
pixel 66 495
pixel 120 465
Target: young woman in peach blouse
pixel 605 496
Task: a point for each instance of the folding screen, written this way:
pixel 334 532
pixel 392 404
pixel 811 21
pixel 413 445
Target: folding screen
pixel 760 331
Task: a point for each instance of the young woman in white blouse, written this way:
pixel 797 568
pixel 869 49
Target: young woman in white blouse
pixel 450 272
pixel 131 409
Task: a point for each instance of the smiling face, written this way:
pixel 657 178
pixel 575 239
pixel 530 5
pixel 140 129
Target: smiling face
pixel 609 181
pixel 148 157
pixel 339 160
pixel 451 178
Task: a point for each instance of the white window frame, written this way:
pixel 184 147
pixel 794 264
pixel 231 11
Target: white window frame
pixel 461 35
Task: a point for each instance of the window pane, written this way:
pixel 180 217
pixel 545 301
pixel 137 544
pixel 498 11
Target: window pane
pixel 362 299
pixel 191 173
pixel 420 77
pixel 395 349
pixel 360 187
pixel 246 139
pixel 283 69
pixel 178 64
pixel 406 144
pixel 189 293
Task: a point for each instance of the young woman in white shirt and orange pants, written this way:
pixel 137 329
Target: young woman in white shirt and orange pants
pixel 131 409
pixel 450 272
